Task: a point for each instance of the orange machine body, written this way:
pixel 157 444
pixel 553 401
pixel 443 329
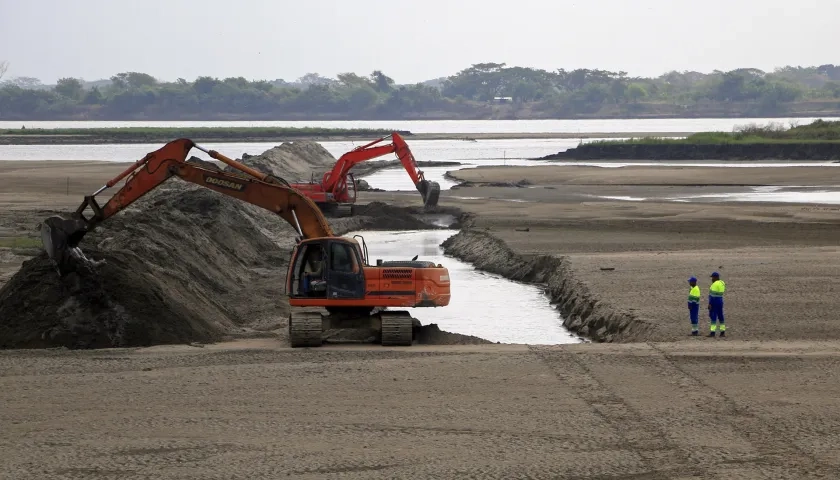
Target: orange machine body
pixel 342 278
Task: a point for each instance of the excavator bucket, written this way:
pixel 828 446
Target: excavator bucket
pixel 60 237
pixel 430 192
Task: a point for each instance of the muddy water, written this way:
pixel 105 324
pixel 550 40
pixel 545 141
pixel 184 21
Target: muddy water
pixel 483 304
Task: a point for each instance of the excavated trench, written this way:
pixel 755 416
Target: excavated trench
pixel 583 312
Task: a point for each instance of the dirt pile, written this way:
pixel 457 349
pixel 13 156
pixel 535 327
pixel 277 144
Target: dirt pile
pixel 178 268
pixel 583 312
pixel 292 161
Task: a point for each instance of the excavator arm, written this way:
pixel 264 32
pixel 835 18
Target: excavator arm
pixel 61 236
pixel 335 178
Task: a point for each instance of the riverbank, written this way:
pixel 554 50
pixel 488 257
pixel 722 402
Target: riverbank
pixel 819 140
pixel 666 151
pixel 134 135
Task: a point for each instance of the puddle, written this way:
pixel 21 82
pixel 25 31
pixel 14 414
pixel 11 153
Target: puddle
pixel 778 196
pixel 620 197
pixel 483 304
pixel 770 193
pixel 687 163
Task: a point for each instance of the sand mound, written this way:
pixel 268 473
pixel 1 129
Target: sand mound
pixel 292 161
pixel 177 268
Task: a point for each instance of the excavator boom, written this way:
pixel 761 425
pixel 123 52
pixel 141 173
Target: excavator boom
pixel 61 236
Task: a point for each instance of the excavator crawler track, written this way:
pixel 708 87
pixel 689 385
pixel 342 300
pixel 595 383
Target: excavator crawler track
pixel 305 329
pixel 397 329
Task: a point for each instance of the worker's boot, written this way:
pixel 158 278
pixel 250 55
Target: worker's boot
pixel 695 333
pixel 711 334
pixel 722 334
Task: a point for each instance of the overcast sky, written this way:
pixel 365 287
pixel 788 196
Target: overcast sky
pixel 410 40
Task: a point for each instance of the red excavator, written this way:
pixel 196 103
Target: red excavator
pixel 335 194
pixel 325 271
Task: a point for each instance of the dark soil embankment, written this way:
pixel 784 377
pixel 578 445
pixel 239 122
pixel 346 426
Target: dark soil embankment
pixel 174 267
pixel 734 151
pixel 583 312
pixel 183 264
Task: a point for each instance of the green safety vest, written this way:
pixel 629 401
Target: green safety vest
pixel 694 295
pixel 717 288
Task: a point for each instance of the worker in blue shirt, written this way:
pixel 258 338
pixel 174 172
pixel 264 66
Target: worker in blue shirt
pixel 716 290
pixel 694 306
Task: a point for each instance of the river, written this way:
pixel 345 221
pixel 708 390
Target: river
pixel 456 126
pixel 470 154
pixel 476 308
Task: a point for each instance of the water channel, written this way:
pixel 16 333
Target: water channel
pixel 483 304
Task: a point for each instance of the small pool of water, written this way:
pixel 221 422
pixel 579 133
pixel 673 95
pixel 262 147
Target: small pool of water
pixel 777 194
pixel 483 304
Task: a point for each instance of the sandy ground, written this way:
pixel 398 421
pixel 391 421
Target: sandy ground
pixel 252 410
pixel 759 404
pixel 646 176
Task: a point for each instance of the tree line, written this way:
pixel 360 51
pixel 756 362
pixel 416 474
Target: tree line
pixel 483 90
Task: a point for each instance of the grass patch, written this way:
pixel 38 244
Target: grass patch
pixel 819 131
pixel 213 132
pixel 20 242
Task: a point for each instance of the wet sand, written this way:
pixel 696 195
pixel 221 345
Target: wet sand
pixel 656 176
pixel 655 404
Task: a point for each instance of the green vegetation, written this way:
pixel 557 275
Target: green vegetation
pixel 135 133
pixel 482 91
pixel 817 141
pixel 819 131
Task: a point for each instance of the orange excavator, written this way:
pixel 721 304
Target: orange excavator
pixel 336 192
pixel 325 271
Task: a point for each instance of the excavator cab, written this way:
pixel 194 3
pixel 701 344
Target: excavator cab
pixel 330 268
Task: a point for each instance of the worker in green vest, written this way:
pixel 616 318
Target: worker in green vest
pixel 716 290
pixel 694 306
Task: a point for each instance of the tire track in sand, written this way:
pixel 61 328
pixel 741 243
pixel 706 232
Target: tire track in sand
pixel 630 424
pixel 774 449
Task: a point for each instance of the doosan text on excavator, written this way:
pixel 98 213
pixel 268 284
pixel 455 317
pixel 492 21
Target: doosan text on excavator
pixel 325 271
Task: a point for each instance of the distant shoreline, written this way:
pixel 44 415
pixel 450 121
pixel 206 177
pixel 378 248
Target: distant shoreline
pixel 131 135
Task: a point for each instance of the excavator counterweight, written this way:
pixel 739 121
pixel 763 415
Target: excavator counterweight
pixel 325 272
